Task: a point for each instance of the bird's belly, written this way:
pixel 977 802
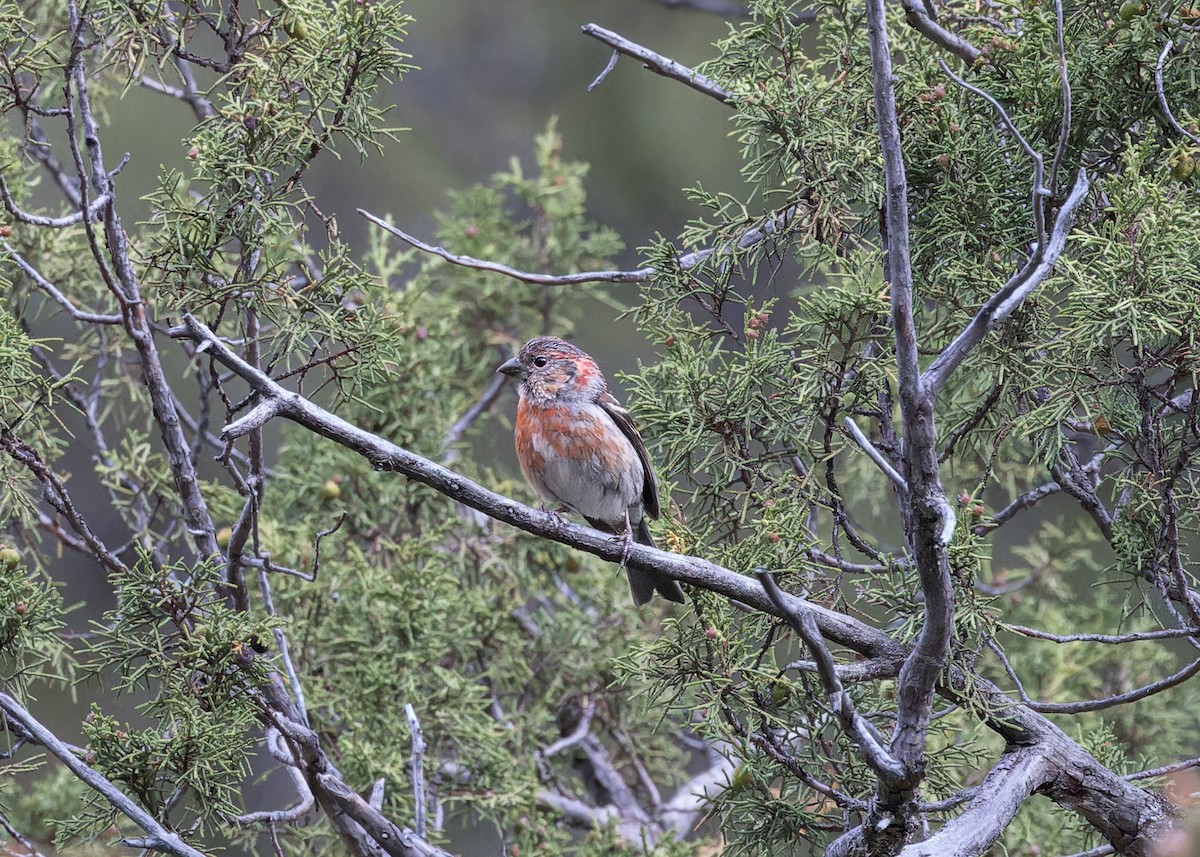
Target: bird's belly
pixel 591 468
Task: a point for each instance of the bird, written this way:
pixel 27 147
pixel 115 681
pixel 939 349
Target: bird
pixel 579 448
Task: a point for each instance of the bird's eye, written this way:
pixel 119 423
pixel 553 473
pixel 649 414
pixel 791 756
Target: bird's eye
pixel 540 362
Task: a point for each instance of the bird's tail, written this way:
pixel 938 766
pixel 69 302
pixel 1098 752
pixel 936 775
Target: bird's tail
pixel 643 584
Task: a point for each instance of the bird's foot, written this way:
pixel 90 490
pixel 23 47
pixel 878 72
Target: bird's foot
pixel 625 539
pixel 557 513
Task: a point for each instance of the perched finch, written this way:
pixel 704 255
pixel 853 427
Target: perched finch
pixel 579 448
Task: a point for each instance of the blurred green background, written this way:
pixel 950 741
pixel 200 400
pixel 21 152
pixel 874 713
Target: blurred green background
pixel 490 76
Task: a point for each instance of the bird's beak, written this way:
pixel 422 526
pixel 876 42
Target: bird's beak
pixel 513 369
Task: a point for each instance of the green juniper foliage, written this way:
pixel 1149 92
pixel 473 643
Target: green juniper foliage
pixel 523 660
pixel 756 375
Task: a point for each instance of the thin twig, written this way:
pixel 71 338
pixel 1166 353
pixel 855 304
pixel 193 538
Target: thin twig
pixel 1092 704
pixel 53 292
pixel 1064 82
pixel 637 276
pixel 278 748
pixel 293 675
pixel 973 421
pixel 57 496
pixel 19 837
pixel 875 455
pixel 1025 501
pixel 768 228
pixel 328 531
pixel 10 204
pixel 39 148
pixel 1107 639
pixel 1010 296
pixel 820 557
pixel 612 63
pixel 1134 695
pixel 480 407
pixel 1164 770
pixel 1162 94
pixel 1038 192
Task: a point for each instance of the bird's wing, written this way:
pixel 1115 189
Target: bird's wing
pixel 624 422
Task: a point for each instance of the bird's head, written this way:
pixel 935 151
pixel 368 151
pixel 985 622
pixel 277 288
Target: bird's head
pixel 552 369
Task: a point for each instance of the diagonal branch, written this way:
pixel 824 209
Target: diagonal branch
pixel 875 455
pixel 1010 296
pixel 660 64
pixel 1119 810
pixel 884 765
pixel 925 24
pixel 19 837
pixel 57 496
pixel 1146 690
pixel 391 839
pixel 1019 773
pixel 275 400
pixel 157 838
pixel 1024 501
pixel 54 293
